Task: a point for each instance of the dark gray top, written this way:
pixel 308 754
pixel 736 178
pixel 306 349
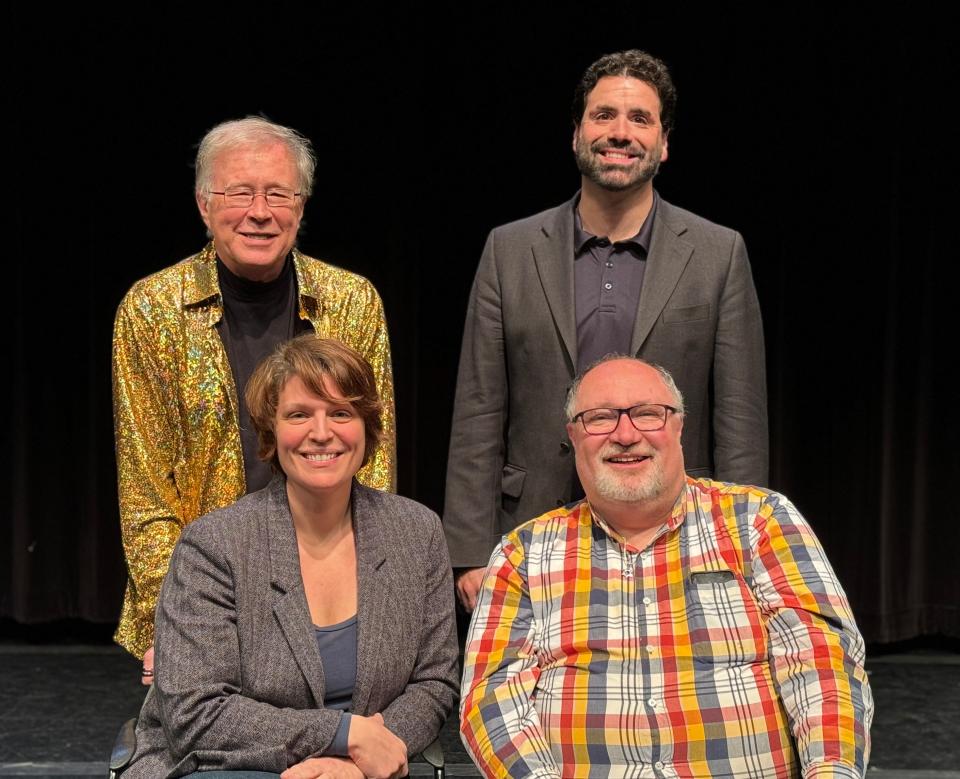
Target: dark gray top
pixel 608 278
pixel 338 653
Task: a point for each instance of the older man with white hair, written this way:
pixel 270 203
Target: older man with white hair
pixel 187 338
pixel 665 626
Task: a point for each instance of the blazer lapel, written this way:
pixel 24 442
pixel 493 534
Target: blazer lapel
pixel 290 601
pixel 373 606
pixel 553 254
pixel 669 255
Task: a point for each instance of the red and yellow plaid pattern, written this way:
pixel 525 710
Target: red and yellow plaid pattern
pixel 726 648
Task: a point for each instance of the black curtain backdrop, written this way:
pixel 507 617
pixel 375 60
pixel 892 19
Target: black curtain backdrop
pixel 825 139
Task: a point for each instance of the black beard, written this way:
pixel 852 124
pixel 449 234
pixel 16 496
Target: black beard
pixel 590 167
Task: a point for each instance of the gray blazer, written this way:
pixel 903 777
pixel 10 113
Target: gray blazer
pixel 239 682
pixel 698 316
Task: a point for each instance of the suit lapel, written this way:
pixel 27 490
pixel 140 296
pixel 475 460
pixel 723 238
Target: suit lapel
pixel 373 606
pixel 553 254
pixel 290 601
pixel 669 255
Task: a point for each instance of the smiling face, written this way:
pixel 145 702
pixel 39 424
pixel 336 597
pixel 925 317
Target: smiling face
pixel 619 143
pixel 320 443
pixel 627 466
pixel 253 242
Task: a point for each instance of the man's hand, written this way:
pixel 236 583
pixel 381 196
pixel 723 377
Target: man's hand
pixel 468 587
pixel 146 676
pixel 377 752
pixel 327 767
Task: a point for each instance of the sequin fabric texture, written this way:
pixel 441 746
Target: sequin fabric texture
pixel 175 408
pixel 725 648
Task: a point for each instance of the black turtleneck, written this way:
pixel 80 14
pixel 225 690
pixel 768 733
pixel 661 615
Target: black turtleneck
pixel 256 317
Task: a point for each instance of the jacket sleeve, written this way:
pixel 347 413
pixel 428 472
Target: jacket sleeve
pixel 816 651
pixel 418 714
pixel 499 723
pixel 477 444
pixel 207 720
pixel 366 331
pixel 147 445
pixel 741 439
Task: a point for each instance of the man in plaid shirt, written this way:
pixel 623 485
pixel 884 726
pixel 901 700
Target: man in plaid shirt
pixel 665 626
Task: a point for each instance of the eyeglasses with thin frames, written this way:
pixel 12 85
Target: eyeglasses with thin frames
pixel 242 197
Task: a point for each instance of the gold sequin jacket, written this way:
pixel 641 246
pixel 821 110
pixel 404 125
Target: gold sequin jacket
pixel 175 408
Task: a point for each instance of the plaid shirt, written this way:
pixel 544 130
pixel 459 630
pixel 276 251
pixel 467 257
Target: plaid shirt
pixel 725 648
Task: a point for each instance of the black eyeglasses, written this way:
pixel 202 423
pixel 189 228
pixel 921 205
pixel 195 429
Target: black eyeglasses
pixel 645 417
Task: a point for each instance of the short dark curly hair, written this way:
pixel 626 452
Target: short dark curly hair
pixel 636 64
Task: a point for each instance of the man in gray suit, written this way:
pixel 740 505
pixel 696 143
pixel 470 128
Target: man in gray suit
pixel 615 270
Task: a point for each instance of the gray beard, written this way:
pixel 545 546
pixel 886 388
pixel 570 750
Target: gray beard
pixel 611 487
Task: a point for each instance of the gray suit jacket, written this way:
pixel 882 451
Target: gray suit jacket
pixel 698 316
pixel 239 682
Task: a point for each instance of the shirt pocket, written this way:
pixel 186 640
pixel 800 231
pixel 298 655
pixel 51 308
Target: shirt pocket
pixel 725 624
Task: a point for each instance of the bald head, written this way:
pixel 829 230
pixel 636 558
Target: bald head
pixel 570 408
pixel 627 473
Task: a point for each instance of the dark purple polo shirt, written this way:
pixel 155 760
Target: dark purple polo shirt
pixel 607 279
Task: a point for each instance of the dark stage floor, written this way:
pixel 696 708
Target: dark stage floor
pixel 60 707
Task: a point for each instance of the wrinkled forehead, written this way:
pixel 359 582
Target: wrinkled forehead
pixel 621 384
pixel 270 159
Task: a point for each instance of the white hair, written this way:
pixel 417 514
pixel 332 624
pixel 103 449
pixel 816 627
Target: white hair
pixel 254 131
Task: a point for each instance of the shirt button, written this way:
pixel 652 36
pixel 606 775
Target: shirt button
pixel 652 702
pixel 647 601
pixel 658 765
pixel 651 649
pixel 608 285
pixel 609 264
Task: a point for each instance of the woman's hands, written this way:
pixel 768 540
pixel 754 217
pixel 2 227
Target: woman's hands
pixel 326 767
pixel 377 752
